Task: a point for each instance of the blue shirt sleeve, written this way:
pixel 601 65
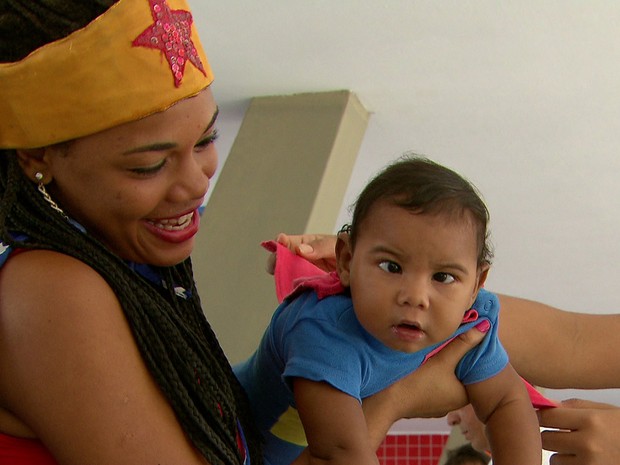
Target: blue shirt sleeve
pixel 489 357
pixel 315 347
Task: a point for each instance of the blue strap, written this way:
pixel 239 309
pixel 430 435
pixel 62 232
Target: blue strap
pixel 4 255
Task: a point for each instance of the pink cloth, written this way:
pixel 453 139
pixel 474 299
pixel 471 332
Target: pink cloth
pixel 293 274
pixel 538 400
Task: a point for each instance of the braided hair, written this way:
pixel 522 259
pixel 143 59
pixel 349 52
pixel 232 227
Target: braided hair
pixel 174 338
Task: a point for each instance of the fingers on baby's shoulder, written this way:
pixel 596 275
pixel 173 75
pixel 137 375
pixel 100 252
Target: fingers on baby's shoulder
pixel 294 241
pixel 321 246
pixel 472 337
pixel 283 239
pixel 460 345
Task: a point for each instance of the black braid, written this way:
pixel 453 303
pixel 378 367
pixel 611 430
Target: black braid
pixel 178 345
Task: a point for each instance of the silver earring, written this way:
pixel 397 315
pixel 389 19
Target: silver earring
pixel 41 187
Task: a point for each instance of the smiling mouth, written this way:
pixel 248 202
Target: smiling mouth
pixel 173 224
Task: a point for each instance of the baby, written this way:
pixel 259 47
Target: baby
pixel 410 271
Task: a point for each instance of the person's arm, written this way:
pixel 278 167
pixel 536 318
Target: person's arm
pixel 558 349
pixel 431 391
pixel 436 387
pixel 437 392
pixel 71 370
pixel 502 403
pixel 334 424
pixel 571 344
pixel 590 433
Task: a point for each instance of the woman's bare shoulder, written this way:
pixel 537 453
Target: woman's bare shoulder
pixel 49 292
pixel 46 269
pixel 69 366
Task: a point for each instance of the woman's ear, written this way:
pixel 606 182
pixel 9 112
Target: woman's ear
pixel 343 258
pixel 33 161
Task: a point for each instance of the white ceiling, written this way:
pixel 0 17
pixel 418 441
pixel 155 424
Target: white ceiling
pixel 522 97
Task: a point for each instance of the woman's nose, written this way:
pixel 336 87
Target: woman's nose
pixel 196 170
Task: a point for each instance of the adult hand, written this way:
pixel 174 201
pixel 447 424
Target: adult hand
pixel 590 433
pixel 433 390
pixel 429 392
pixel 320 249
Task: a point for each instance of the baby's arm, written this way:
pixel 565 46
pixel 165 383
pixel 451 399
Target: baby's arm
pixel 334 424
pixel 503 404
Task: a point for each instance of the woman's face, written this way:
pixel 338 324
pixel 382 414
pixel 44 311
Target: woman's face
pixel 137 187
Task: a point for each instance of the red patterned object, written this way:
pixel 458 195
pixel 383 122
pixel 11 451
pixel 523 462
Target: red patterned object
pixel 411 449
pixel 171 33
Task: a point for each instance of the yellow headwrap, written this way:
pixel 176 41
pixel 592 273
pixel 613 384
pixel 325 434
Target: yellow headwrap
pixel 138 58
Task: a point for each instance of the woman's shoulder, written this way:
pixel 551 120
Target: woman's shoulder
pixel 47 297
pixel 68 357
pixel 51 300
pixel 33 277
pixel 41 261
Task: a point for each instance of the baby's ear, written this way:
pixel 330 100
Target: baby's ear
pixel 483 272
pixel 343 258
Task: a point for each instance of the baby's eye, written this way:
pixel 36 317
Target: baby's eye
pixel 390 266
pixel 149 170
pixel 445 278
pixel 208 140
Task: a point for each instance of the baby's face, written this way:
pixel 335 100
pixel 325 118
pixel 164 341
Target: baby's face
pixel 413 276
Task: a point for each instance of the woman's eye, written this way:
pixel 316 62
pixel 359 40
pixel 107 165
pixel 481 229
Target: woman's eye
pixel 445 278
pixel 208 140
pixel 149 170
pixel 390 266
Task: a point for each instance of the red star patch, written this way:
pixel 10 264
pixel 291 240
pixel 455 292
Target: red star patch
pixel 171 33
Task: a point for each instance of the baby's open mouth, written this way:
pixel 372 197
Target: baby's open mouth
pixel 410 326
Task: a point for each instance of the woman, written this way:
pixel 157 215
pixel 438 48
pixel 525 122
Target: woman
pixel 106 134
pixel 113 361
